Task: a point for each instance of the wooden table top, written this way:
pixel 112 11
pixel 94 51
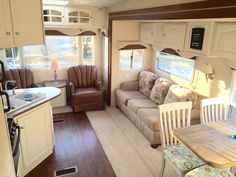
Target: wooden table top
pixel 55 83
pixel 211 142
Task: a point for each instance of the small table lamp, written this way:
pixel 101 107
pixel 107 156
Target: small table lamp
pixel 54 67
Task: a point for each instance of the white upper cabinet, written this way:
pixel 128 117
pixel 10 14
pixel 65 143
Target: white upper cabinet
pixel 21 23
pixel 6 36
pixel 208 28
pixel 75 16
pixel 27 22
pixel 158 33
pixel 147 33
pixel 223 44
pixel 54 15
pixel 174 35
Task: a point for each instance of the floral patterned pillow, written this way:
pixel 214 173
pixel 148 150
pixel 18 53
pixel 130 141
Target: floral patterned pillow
pixel 160 90
pixel 178 93
pixel 146 82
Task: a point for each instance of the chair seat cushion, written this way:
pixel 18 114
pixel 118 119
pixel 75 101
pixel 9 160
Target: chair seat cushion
pixel 135 104
pixel 85 91
pixel 208 171
pixel 124 96
pixel 150 117
pixel 184 159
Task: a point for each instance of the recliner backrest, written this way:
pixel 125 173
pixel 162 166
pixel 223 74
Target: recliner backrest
pixel 83 76
pixel 24 77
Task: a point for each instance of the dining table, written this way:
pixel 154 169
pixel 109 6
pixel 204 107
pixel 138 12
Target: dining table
pixel 213 142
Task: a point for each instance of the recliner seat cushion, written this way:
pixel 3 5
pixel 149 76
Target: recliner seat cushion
pixel 160 90
pixel 135 104
pixel 146 82
pixel 124 96
pixel 150 117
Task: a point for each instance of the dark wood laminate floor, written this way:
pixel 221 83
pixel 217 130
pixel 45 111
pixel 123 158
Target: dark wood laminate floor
pixel 76 145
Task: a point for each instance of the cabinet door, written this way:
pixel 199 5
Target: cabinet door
pixel 75 16
pixel 61 100
pixel 174 35
pixel 147 33
pixel 36 136
pixel 53 15
pixel 27 22
pixel 6 36
pixel 159 29
pixel 223 44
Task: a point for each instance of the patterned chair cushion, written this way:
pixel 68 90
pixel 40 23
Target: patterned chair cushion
pixel 146 82
pixel 184 159
pixel 178 93
pixel 208 171
pixel 159 90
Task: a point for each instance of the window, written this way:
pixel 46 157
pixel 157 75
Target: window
pixel 12 59
pixel 173 64
pixel 131 59
pixel 88 50
pixel 63 48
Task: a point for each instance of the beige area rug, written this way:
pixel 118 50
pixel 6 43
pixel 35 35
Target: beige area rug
pixel 128 151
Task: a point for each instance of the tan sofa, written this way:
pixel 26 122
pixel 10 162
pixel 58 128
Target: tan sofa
pixel 139 101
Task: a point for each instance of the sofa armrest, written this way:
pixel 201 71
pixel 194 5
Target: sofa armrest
pixel 98 85
pixel 130 86
pixel 72 87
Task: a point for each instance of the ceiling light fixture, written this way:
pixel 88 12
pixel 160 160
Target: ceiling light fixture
pixel 53 2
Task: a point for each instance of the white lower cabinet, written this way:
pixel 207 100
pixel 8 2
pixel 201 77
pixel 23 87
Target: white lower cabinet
pixel 37 137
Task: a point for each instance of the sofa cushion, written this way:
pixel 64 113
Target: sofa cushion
pixel 146 82
pixel 177 93
pixel 160 90
pixel 124 96
pixel 135 104
pixel 150 117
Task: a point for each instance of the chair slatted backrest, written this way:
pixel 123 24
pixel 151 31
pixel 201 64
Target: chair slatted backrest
pixel 172 116
pixel 214 109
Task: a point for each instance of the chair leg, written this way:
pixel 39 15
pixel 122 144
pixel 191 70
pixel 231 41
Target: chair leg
pixel 163 167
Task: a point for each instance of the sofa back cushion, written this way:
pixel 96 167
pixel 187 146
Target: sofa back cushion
pixel 146 81
pixel 178 93
pixel 160 90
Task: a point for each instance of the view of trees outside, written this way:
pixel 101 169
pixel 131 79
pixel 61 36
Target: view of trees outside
pixel 126 61
pixel 176 65
pixel 88 50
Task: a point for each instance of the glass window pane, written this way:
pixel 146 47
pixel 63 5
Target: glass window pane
pixel 137 59
pixel 12 58
pixel 73 20
pixel 125 59
pixel 88 50
pixel 55 12
pixel 74 13
pixel 56 19
pixel 63 48
pixel 84 14
pixel 84 20
pixel 176 65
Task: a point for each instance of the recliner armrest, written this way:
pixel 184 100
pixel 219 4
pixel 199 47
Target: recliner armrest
pixel 130 85
pixel 98 85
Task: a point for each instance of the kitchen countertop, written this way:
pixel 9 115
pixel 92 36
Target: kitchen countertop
pixel 50 92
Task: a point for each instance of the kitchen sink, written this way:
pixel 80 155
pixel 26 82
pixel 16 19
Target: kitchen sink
pixel 23 99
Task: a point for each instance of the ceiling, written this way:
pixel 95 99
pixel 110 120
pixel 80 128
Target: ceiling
pixel 97 3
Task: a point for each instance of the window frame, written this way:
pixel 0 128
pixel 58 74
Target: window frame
pixel 166 72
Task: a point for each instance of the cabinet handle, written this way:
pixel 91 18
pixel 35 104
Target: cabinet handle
pixel 17 33
pixel 8 33
pixel 21 127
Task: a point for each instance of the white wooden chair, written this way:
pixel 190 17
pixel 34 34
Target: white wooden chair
pixel 172 116
pixel 214 109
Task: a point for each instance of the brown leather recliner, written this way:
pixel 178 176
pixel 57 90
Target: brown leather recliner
pixel 24 78
pixel 86 90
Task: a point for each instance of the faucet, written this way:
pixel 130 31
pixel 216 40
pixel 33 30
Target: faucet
pixel 11 81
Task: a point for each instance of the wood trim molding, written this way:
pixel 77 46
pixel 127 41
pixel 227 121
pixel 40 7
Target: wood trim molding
pixel 195 10
pixel 174 52
pixel 133 47
pixel 59 33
